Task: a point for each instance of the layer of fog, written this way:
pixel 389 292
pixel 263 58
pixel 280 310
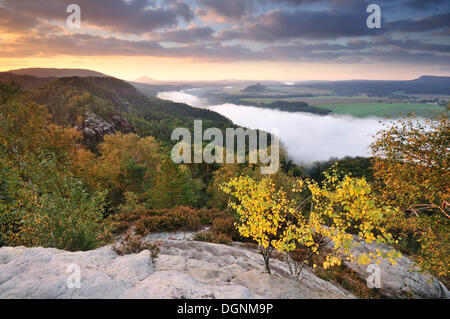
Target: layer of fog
pixel 305 136
pixel 182 97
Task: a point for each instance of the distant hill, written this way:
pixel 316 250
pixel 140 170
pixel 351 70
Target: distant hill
pixel 27 82
pixel 422 85
pixel 257 88
pixel 149 80
pixel 154 89
pixel 206 84
pixel 58 73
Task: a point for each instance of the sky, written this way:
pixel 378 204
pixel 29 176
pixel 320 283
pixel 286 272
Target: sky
pixel 286 40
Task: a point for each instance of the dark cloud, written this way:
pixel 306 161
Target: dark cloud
pixel 191 35
pixel 283 24
pixel 431 23
pixel 91 45
pixel 291 2
pixel 409 44
pixel 405 56
pixel 183 9
pixel 445 32
pixel 362 52
pixel 78 45
pixel 335 34
pixel 11 21
pixel 231 9
pixel 425 4
pixel 354 51
pixel 135 16
pixel 236 10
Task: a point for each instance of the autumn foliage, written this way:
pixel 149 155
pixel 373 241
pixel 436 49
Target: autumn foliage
pixel 412 172
pixel 42 202
pixel 326 216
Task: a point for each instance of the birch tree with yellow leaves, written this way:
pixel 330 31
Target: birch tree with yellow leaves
pixel 328 215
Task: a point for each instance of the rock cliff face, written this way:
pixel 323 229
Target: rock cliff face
pixel 184 269
pixel 94 127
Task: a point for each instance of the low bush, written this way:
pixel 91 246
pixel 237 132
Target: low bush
pixel 145 221
pixel 224 225
pixel 177 219
pixel 223 231
pixel 171 220
pixel 119 227
pixel 227 225
pixel 211 237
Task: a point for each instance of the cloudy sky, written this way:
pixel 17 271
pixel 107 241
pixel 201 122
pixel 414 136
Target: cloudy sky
pixel 230 39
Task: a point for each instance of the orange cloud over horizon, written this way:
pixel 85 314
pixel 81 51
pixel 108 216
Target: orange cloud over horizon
pixel 178 69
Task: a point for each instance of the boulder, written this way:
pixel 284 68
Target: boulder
pixel 401 280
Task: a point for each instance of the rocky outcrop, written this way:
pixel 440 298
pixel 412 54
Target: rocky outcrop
pixel 189 269
pixel 184 269
pixel 220 263
pixel 257 88
pixel 400 280
pixel 94 127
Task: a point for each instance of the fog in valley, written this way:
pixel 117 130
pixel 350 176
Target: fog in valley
pixel 183 97
pixel 306 137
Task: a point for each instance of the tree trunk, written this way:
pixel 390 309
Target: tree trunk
pixel 266 255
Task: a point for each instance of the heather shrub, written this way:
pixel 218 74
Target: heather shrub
pixel 227 225
pixel 180 218
pixel 224 225
pixel 215 238
pixel 134 244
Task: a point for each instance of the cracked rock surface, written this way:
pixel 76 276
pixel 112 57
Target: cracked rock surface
pixel 189 269
pixel 184 269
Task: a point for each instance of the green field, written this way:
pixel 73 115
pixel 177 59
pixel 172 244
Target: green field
pixel 358 107
pixel 322 99
pixel 355 105
pixel 383 109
